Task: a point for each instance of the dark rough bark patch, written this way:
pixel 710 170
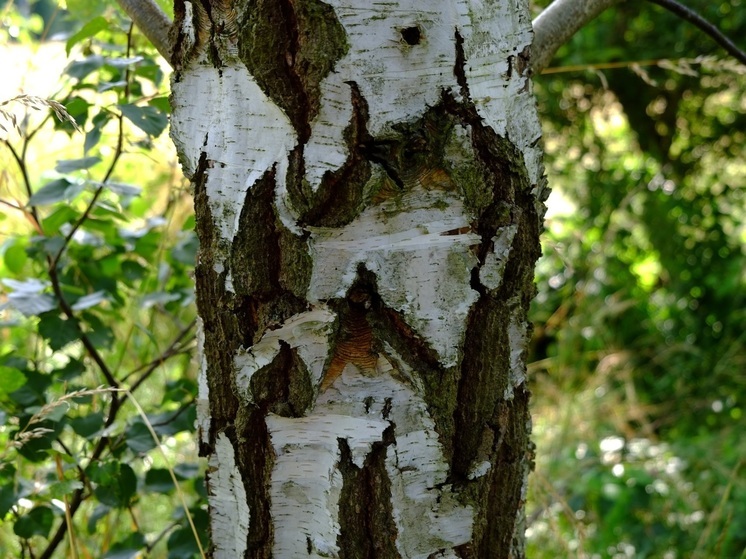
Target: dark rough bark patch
pixel 513 458
pixel 367 528
pixel 253 261
pixel 186 49
pixel 260 255
pixel 414 154
pixel 339 197
pixel 255 459
pixel 221 338
pixel 289 47
pixel 283 387
pixel 484 378
pixel 224 329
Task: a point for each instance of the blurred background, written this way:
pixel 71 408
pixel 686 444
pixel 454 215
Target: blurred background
pixel 638 358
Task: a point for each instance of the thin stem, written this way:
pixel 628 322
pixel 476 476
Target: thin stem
pixel 173 349
pixel 687 14
pixel 556 25
pixel 117 154
pixel 116 404
pixel 21 162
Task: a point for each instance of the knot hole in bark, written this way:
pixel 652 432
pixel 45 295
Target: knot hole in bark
pixel 411 35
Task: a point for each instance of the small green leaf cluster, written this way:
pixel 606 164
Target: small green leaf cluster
pixel 97 385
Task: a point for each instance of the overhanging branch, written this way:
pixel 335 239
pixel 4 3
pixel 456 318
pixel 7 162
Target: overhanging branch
pixel 563 18
pixel 152 22
pixel 556 25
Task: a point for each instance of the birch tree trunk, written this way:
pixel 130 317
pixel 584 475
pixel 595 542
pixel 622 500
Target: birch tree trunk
pixel 369 194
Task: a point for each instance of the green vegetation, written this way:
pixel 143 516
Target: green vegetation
pixel 640 344
pixel 97 314
pixel 639 350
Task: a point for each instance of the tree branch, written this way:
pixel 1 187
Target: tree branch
pixel 687 14
pixel 152 22
pixel 563 18
pixel 556 25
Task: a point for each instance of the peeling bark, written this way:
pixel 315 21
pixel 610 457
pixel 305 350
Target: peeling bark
pixel 369 196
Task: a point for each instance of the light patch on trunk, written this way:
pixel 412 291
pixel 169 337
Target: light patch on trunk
pixel 427 513
pixel 518 339
pixel 203 391
pixel 224 114
pixel 491 272
pixel 398 79
pixel 498 81
pixel 421 259
pixel 229 513
pixel 306 482
pixel 307 332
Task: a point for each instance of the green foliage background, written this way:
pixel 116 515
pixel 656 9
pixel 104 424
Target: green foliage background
pixel 639 352
pixel 638 357
pixel 97 445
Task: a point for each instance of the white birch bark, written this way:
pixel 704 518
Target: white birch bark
pixel 367 392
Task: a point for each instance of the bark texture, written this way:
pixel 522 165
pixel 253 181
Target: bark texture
pixel 369 196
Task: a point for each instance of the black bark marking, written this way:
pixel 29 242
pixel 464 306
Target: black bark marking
pixel 411 35
pixel 340 195
pixel 255 459
pixel 367 528
pixel 289 47
pixel 390 326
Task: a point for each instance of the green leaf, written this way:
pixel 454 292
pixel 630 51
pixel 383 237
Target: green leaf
pixel 138 437
pixel 161 103
pixel 11 379
pixel 93 136
pixel 77 109
pixel 126 190
pixel 38 522
pixel 85 10
pixel 70 165
pixel 170 423
pixel 159 298
pixel 181 545
pixel 88 30
pixel 101 335
pixel 186 470
pixel 8 497
pixel 36 449
pixel 98 513
pixel 158 480
pixel 59 489
pixel 116 483
pixel 33 392
pixel 88 426
pixel 79 69
pixel 61 215
pixel 57 331
pixel 15 257
pixel 73 369
pixel 148 119
pixel 90 300
pixel 185 250
pixel 129 548
pixel 27 296
pixel 56 191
